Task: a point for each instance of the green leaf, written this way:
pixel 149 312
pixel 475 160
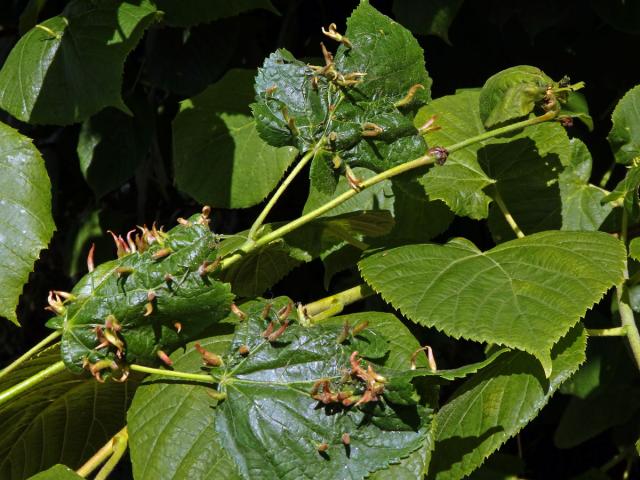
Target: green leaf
pixel 112 145
pixel 120 288
pixel 495 404
pixel 26 224
pixel 582 207
pixel 218 157
pixel 427 18
pixel 576 107
pixel 624 136
pixel 525 293
pixel 512 94
pixel 174 59
pixel 64 419
pixel 526 168
pixel 69 67
pixel 634 249
pixel 263 267
pixel 626 190
pixel 57 472
pixel 604 407
pixel 268 414
pixel 460 181
pixel 417 218
pixel 172 430
pixel 193 12
pixel 299 106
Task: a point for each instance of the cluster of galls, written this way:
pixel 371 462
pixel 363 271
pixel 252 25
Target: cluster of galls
pixel 369 382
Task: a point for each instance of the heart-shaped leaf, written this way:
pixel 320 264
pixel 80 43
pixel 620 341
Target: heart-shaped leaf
pixel 624 136
pixel 70 66
pixel 268 424
pixel 525 293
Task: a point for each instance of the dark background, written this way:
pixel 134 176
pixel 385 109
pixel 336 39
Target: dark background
pixel 589 41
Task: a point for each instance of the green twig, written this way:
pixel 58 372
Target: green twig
pixel 335 303
pixel 119 446
pixel 419 162
pixel 507 215
pixel 629 322
pixel 30 353
pixel 172 373
pixel 101 455
pixel 607 332
pixel 281 189
pixel 32 381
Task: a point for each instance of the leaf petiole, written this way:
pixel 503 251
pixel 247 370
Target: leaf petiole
pixel 172 373
pixel 30 353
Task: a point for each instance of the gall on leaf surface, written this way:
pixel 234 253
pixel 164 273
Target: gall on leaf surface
pixel 170 269
pixel 298 105
pixel 218 157
pixel 495 404
pixel 524 294
pixel 69 67
pixel 269 426
pixel 26 223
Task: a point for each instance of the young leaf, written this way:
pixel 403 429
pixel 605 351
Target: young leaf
pixel 218 158
pixel 525 293
pixel 268 424
pixel 581 201
pixel 360 101
pixel 142 295
pixel 64 419
pixel 69 67
pixel 624 136
pixel 26 224
pixel 496 403
pixel 112 144
pixel 511 94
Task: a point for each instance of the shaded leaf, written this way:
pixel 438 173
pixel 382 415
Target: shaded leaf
pixel 620 14
pixel 193 12
pixel 576 107
pixel 634 249
pixel 268 414
pixel 218 157
pixel 496 403
pixel 624 136
pixel 526 293
pixel 57 472
pixel 64 419
pixel 26 224
pixel 512 94
pixel 70 66
pixel 111 145
pixel 427 18
pixel 263 267
pixel 626 190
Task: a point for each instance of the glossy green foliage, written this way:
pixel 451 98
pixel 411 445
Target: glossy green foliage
pixel 57 472
pixel 352 104
pixel 168 276
pixel 26 225
pixel 547 281
pixel 73 62
pixel 65 419
pixel 267 424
